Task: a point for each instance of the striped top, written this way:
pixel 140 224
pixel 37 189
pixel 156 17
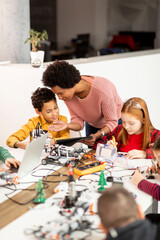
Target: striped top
pixel 152 189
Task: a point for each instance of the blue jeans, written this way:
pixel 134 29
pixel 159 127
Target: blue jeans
pixel 91 130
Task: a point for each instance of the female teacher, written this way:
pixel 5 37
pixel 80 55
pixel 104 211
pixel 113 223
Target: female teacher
pixel 90 99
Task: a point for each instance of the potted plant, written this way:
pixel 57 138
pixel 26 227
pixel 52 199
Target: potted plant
pixel 35 38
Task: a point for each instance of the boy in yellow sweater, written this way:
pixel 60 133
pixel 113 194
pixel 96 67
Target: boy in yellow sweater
pixel 45 105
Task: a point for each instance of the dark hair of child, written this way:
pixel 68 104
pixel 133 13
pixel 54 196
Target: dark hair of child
pixel 41 96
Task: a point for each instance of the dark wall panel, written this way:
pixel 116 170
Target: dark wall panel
pixel 43 17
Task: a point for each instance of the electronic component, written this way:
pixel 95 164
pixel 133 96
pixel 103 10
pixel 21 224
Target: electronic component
pixel 115 181
pixel 122 154
pixel 105 152
pixel 8 178
pixel 102 182
pixel 40 194
pixel 86 156
pixel 109 179
pixel 66 223
pixel 71 196
pixel 64 155
pixel 49 160
pixel 37 132
pixel 88 168
pixel 5 175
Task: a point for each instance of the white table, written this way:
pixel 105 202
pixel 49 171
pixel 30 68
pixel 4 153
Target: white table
pixel 45 212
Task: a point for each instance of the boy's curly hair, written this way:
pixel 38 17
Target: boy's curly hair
pixel 61 74
pixel 41 96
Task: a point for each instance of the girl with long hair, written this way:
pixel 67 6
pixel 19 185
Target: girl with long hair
pixel 136 133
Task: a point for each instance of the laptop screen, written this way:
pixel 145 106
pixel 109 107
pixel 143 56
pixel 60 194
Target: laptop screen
pixel 32 155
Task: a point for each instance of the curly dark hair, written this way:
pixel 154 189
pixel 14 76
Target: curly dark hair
pixel 41 96
pixel 61 74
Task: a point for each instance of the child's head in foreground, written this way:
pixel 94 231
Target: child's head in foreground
pixel 117 208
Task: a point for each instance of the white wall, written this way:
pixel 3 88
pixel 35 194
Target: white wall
pixel 78 17
pixel 14 30
pixel 133 74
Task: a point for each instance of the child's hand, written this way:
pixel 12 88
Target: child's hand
pixel 136 154
pixel 111 143
pixel 158 168
pixel 137 177
pixel 4 170
pixel 13 161
pixel 155 166
pixel 57 126
pixel 22 145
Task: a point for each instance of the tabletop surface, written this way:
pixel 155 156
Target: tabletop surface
pixel 15 218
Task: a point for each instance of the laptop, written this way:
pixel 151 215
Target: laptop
pixel 32 155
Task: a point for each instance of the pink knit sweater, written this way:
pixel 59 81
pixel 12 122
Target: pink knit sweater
pixel 101 107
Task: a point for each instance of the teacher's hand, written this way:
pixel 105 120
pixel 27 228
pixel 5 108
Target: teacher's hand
pixel 90 142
